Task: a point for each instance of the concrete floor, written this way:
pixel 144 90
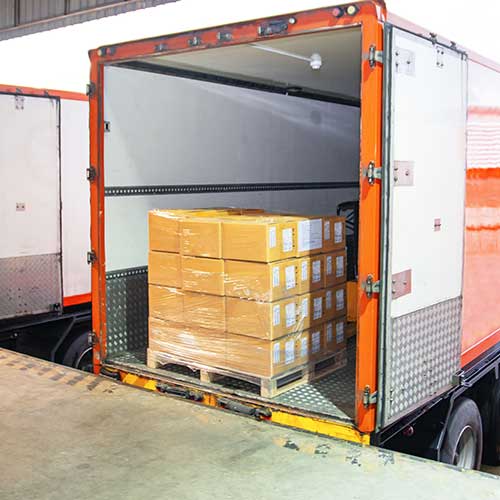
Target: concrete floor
pixel 69 435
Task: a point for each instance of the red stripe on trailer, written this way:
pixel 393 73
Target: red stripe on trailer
pixel 62 94
pixel 74 300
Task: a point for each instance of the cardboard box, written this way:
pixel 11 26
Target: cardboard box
pixel 335 266
pixel 265 282
pixel 265 320
pixel 352 301
pixel 267 358
pixel 316 335
pixel 200 274
pixel 187 343
pixel 312 273
pixel 251 238
pixel 217 349
pixel 335 336
pixel 201 237
pixel 207 311
pixel 164 269
pixel 335 302
pixel 166 303
pixel 164 231
pixel 334 233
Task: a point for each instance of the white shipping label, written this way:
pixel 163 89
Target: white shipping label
pixel 276 276
pixel 287 236
pixel 339 299
pixel 316 343
pixel 303 271
pixel 328 299
pixel 339 266
pixel 329 332
pixel 329 262
pixel 338 236
pixel 327 234
pixel 303 347
pixel 272 237
pixel 276 353
pixel 276 315
pixel 290 277
pixel 305 308
pixel 310 235
pixel 318 308
pixel 290 315
pixel 289 352
pixel 339 332
pixel 316 271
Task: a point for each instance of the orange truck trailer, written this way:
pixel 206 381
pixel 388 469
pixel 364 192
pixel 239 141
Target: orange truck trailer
pixel 44 278
pixel 343 109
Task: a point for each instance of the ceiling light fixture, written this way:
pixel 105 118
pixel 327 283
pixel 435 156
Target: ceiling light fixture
pixel 315 61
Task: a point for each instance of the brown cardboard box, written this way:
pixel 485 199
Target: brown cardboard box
pixel 265 320
pixel 334 338
pixel 187 343
pixel 164 230
pixel 200 274
pixel 207 311
pixel 309 235
pixel 251 238
pixel 166 303
pixel 217 349
pixel 265 282
pixel 317 307
pixel 335 302
pixel 334 233
pixel 267 358
pixel 164 269
pixel 201 237
pixel 312 270
pixel 352 301
pixel 335 268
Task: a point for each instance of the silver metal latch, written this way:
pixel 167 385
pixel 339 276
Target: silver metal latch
pixel 369 398
pixel 372 173
pixel 370 286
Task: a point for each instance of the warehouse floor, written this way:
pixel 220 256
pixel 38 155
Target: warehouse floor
pixel 68 434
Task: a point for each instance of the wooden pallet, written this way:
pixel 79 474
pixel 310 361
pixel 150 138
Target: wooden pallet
pixel 269 387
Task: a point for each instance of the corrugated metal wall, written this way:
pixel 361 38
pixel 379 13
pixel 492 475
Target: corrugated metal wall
pixel 22 17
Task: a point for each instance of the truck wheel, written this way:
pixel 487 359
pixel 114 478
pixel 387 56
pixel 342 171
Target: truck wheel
pixel 79 354
pixel 492 432
pixel 463 441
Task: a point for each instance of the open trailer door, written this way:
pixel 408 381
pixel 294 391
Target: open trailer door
pixel 423 212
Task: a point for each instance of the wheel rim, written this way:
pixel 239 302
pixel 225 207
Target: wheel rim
pixel 84 361
pixel 465 453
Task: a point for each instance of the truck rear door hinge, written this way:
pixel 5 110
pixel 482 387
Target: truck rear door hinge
pixel 372 173
pixel 91 174
pixel 93 339
pixel 370 286
pixel 369 398
pixel 374 56
pixel 91 257
pixel 90 92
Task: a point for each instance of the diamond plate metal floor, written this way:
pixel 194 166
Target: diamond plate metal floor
pixel 332 395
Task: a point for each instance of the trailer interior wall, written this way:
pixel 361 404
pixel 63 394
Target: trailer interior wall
pixel 178 121
pixel 481 328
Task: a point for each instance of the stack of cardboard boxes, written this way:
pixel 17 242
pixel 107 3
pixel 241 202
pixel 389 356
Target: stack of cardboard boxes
pixel 245 291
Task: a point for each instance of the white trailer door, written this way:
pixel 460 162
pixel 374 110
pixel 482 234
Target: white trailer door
pixel 30 205
pixel 424 186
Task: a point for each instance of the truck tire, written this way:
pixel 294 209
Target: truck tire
pixel 463 441
pixel 79 353
pixel 491 453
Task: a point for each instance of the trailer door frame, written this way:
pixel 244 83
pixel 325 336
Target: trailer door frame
pixel 423 208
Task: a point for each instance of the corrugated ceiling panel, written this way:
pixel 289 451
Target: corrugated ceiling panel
pixel 41 15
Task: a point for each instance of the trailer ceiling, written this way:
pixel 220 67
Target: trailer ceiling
pixel 339 75
pixel 24 17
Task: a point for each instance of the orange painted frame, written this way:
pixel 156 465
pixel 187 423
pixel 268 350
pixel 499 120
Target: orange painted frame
pixel 369 18
pixel 62 94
